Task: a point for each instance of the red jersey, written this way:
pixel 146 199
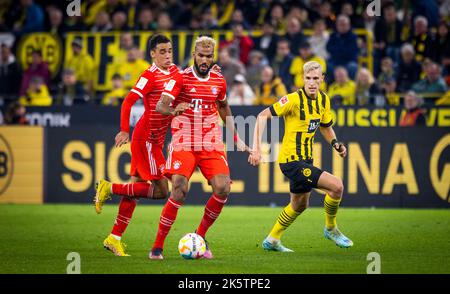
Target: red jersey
pixel 198 126
pixel 152 126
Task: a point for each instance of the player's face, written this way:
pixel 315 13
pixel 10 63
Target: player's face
pixel 203 59
pixel 312 81
pixel 162 55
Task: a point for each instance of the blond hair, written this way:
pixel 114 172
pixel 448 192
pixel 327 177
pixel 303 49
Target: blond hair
pixel 311 65
pixel 205 41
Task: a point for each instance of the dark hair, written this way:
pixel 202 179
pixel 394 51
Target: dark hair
pixel 158 39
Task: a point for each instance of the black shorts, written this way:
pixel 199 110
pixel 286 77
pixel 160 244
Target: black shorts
pixel 302 175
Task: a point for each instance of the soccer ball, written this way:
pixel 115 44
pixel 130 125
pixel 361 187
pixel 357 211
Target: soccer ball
pixel 192 246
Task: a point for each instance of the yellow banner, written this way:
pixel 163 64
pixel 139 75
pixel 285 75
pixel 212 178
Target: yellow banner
pixel 21 165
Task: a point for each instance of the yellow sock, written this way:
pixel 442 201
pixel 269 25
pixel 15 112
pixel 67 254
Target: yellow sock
pixel 331 207
pixel 285 219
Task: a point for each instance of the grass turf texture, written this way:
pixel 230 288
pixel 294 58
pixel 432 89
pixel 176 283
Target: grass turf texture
pixel 37 239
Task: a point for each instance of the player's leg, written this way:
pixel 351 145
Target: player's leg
pixel 214 167
pixel 179 167
pixel 169 214
pixel 145 159
pixel 126 208
pixel 299 202
pixel 334 189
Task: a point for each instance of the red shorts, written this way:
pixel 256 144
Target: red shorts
pixel 147 160
pixel 181 162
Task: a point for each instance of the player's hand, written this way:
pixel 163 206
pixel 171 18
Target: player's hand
pixel 181 108
pixel 240 145
pixel 254 157
pixel 216 68
pixel 340 148
pixel 122 138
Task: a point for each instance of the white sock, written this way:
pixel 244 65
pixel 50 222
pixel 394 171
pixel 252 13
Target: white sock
pixel 116 237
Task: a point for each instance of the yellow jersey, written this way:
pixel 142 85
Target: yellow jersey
pixel 302 117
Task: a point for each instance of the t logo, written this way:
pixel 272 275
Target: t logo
pixel 197 104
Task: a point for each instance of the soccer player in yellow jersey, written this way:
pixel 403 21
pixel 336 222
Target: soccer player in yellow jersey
pixel 304 111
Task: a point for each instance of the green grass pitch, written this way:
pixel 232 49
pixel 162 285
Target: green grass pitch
pixel 37 239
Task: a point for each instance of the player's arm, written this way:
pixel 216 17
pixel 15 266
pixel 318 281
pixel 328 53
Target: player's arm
pixel 227 117
pixel 163 106
pixel 169 94
pixel 123 136
pixel 261 121
pixel 330 136
pixel 326 129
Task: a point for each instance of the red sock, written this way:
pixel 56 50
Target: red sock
pixel 212 211
pixel 126 208
pixel 137 189
pixel 168 216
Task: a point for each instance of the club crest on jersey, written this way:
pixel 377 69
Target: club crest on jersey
pixel 283 100
pixel 176 164
pixel 214 90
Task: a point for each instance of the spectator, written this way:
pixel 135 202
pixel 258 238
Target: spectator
pixel 392 97
pixel 241 45
pixel 230 66
pixel 387 70
pixel 132 9
pixel 15 114
pixel 414 115
pixel 132 68
pixel 356 20
pixel 10 75
pixel 296 68
pixel 408 70
pixel 70 91
pixel 31 19
pixel 102 23
pixel 117 94
pixel 433 85
pixel 209 22
pixel 238 18
pixel 282 63
pixel 422 39
pixel 163 23
pixel 37 68
pixel 271 88
pixel 267 43
pixel 294 35
pixel 241 93
pixel 342 91
pixel 367 91
pixel 83 65
pixel 125 44
pixel 319 39
pixel 257 63
pixel 146 21
pixel 37 94
pixel 276 18
pixel 442 48
pixel 326 13
pixel 119 22
pixel 388 32
pixel 55 24
pixel 343 47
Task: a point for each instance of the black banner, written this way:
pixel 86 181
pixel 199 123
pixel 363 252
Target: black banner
pixel 385 167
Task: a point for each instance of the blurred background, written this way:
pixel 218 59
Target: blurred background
pixel 66 66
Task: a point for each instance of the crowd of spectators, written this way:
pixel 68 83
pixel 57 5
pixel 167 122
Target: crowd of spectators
pixel 411 48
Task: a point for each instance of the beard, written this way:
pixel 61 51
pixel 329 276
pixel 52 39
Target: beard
pixel 202 72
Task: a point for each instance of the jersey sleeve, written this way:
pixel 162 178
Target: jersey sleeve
pixel 327 117
pixel 174 86
pixel 144 84
pixel 284 105
pixel 223 92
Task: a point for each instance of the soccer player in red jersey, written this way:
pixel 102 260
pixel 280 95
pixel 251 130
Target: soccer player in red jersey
pixel 147 158
pixel 198 95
